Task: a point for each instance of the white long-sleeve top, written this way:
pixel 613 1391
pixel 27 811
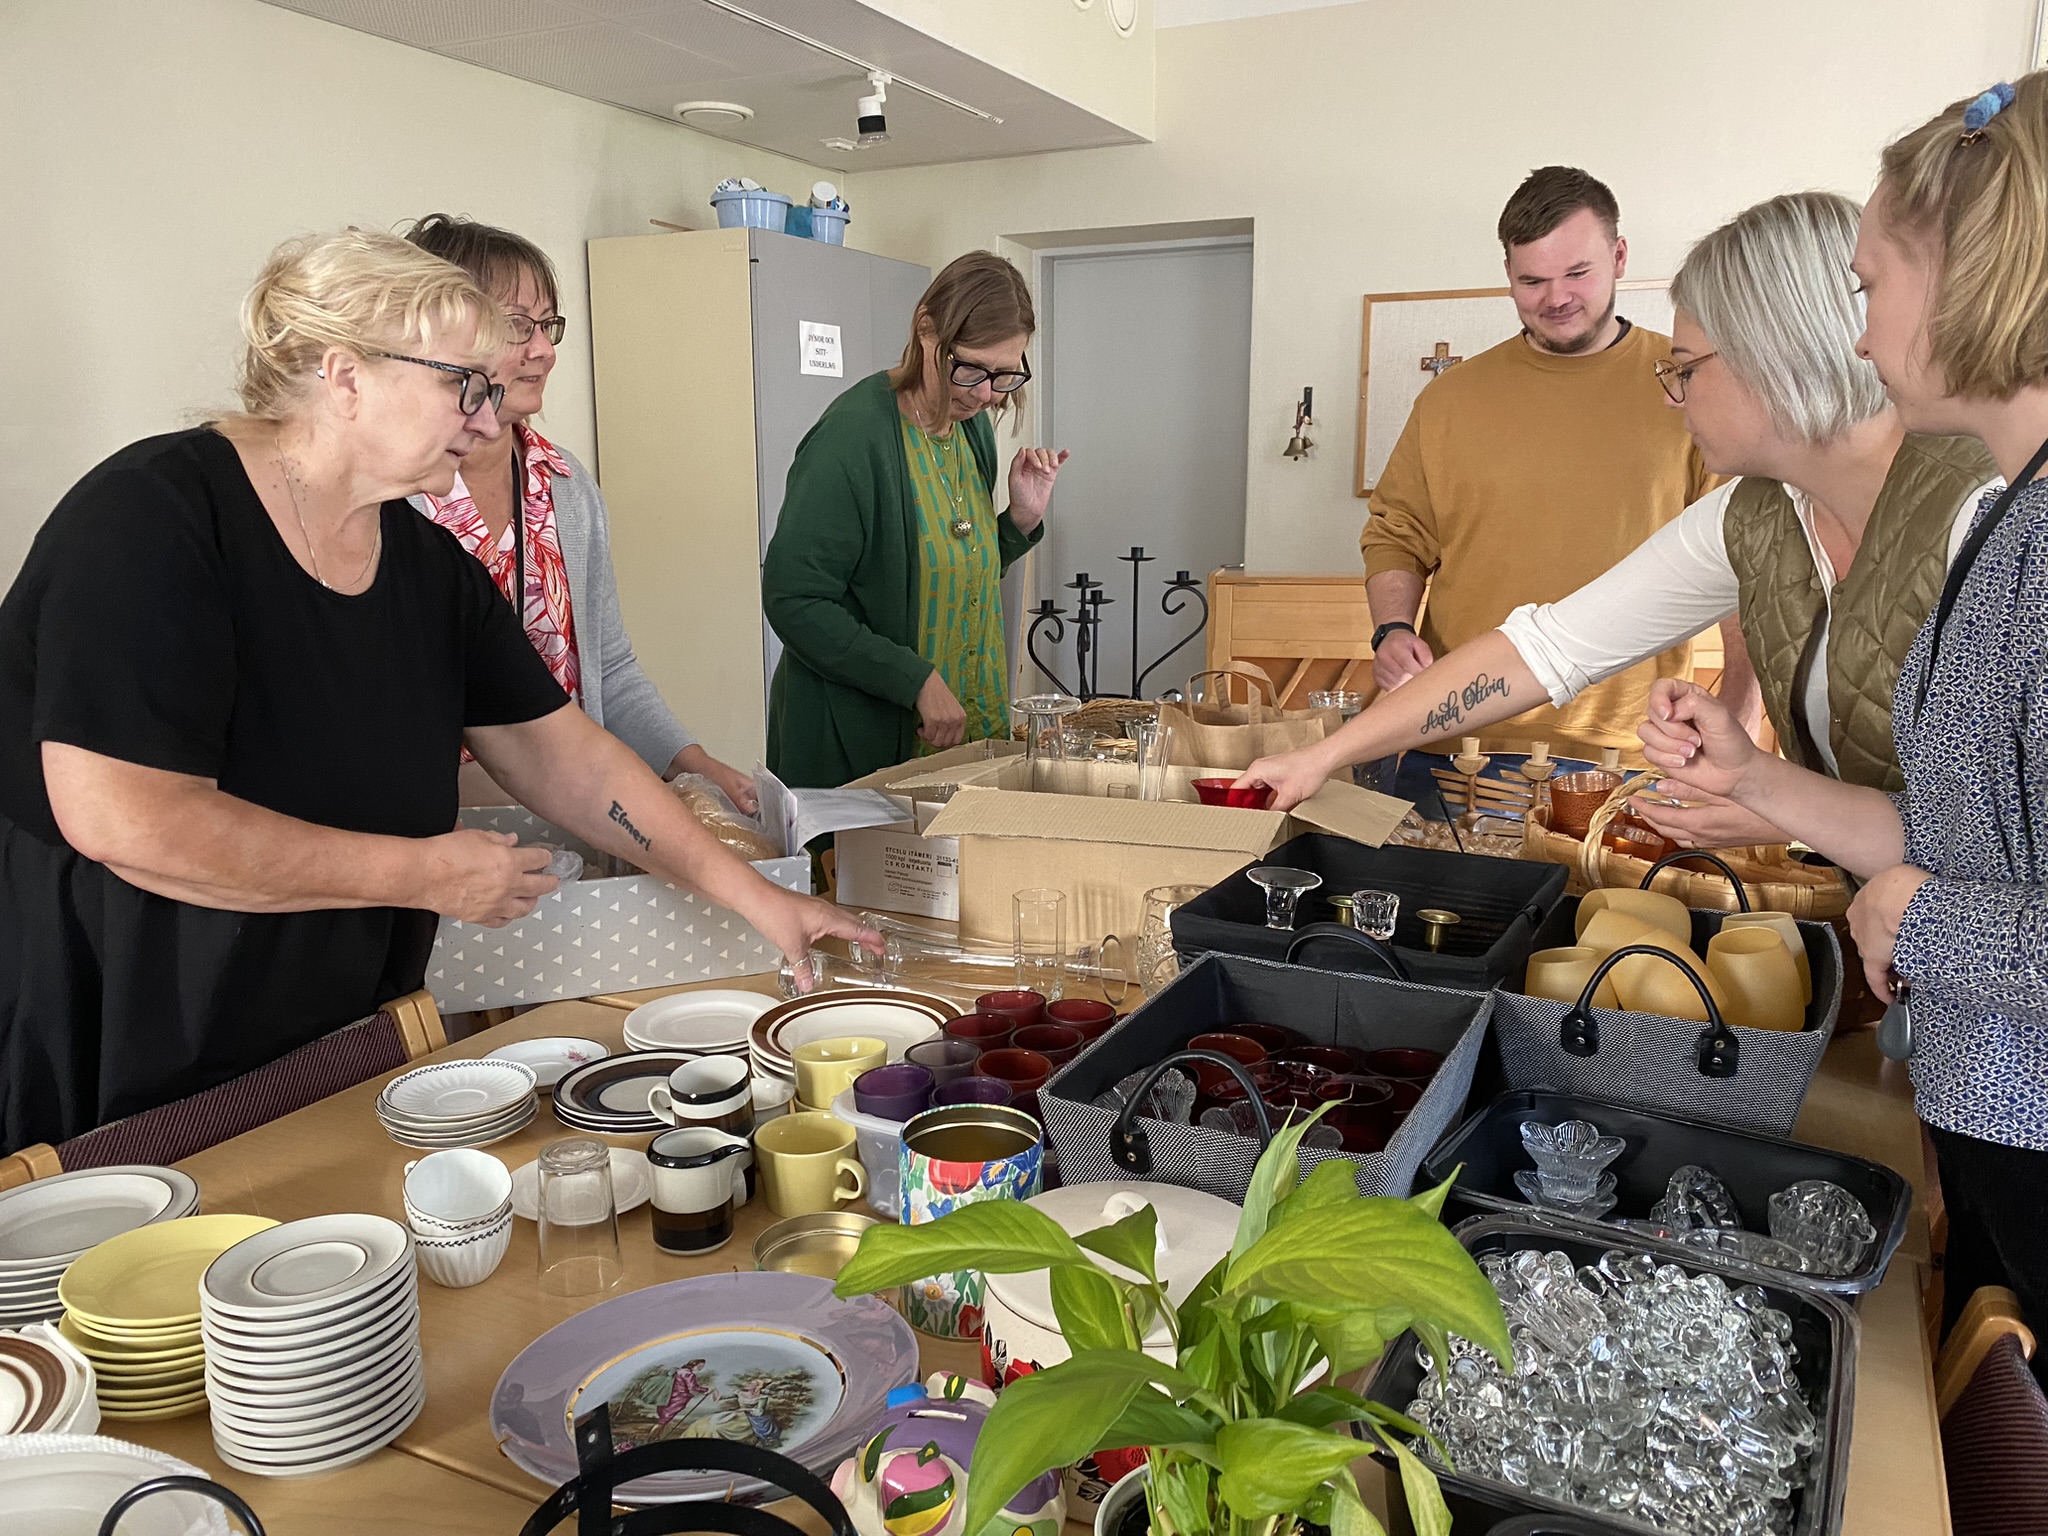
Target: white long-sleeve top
pixel 1674 584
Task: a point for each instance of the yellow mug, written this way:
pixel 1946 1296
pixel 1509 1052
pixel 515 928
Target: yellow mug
pixel 1652 907
pixel 826 1068
pixel 808 1162
pixel 1563 973
pixel 1756 971
pixel 1786 927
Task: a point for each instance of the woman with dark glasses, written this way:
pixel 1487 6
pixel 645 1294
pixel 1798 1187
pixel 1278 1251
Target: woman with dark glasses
pixel 882 579
pixel 555 555
pixel 236 674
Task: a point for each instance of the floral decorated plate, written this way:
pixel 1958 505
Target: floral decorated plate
pixel 769 1359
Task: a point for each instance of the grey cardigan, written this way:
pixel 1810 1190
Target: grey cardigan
pixel 617 693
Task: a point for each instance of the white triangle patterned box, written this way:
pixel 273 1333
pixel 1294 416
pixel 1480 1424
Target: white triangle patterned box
pixel 615 934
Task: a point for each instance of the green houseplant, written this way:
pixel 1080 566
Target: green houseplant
pixel 1318 1280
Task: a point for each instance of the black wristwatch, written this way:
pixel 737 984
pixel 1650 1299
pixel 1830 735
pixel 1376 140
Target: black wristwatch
pixel 1379 636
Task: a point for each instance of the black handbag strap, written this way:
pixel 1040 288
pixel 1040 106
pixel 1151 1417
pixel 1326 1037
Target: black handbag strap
pixel 1669 859
pixel 1717 1054
pixel 1344 934
pixel 206 1487
pixel 1966 557
pixel 1128 1143
pixel 589 1494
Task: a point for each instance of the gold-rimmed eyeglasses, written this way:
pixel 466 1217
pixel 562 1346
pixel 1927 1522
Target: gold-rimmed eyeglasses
pixel 1674 376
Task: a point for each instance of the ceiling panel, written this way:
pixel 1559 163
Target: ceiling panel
pixel 647 55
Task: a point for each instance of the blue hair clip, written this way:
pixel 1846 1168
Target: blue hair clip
pixel 1978 114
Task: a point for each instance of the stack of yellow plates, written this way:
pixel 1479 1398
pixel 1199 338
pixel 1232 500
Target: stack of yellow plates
pixel 131 1305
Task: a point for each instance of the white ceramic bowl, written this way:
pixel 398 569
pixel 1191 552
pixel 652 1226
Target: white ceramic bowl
pixel 457 1189
pixel 468 1260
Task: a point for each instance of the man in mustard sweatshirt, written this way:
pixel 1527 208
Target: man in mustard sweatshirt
pixel 1528 470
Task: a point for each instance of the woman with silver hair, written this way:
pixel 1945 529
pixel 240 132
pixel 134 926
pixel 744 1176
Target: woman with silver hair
pixel 1831 543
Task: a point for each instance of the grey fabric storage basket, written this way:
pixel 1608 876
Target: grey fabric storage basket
pixel 1651 1061
pixel 1330 1007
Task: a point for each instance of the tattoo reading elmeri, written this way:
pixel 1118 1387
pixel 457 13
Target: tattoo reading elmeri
pixel 618 814
pixel 1452 711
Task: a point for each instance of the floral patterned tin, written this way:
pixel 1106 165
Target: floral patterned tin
pixel 953 1157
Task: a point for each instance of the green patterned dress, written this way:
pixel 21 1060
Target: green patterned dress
pixel 960 608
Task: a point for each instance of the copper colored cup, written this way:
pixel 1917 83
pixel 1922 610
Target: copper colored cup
pixel 1574 797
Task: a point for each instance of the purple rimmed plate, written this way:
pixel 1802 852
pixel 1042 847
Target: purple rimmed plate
pixel 772 1359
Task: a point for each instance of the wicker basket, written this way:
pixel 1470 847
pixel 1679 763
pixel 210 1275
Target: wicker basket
pixel 1105 717
pixel 1772 879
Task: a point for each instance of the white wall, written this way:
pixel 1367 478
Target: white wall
pixel 153 151
pixel 1373 144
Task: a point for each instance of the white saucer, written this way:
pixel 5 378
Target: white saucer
pixel 704 1022
pixel 458 1090
pixel 550 1058
pixel 632 1183
pixel 306 1268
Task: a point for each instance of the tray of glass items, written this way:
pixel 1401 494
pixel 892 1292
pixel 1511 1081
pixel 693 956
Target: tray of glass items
pixel 1504 908
pixel 1649 1394
pixel 1797 1214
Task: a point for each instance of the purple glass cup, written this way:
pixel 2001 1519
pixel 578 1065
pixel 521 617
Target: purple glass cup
pixel 947 1060
pixel 971 1090
pixel 894 1092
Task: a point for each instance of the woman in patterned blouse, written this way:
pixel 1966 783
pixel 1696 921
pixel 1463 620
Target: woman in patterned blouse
pixel 1953 259
pixel 561 544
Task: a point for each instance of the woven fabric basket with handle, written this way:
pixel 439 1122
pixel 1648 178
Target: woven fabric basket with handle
pixel 1771 878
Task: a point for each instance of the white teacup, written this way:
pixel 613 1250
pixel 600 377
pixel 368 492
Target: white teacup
pixel 714 1091
pixel 466 1258
pixel 456 1189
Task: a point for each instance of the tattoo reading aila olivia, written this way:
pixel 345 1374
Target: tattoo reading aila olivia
pixel 618 814
pixel 1453 709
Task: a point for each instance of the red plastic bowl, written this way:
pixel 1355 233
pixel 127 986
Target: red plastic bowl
pixel 1253 797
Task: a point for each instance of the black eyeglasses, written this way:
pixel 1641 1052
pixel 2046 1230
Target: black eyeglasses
pixel 1675 376
pixel 1005 381
pixel 476 387
pixel 523 327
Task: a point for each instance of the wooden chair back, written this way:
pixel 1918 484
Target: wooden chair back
pixel 1994 1422
pixel 1992 1313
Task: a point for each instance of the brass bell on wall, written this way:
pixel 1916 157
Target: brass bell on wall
pixel 1299 444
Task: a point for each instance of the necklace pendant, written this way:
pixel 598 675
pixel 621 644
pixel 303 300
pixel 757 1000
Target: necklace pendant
pixel 963 527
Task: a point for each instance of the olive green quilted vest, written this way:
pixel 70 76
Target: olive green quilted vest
pixel 1878 606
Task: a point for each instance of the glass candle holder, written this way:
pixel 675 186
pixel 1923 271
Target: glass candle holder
pixel 1283 888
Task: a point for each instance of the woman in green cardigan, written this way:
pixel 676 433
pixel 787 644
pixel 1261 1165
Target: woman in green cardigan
pixel 882 578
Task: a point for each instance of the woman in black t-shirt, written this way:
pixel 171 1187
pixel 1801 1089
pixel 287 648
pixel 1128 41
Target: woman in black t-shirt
pixel 235 672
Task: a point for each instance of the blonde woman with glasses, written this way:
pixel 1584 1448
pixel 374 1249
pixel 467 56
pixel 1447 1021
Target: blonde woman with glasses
pixel 1830 546
pixel 1953 914
pixel 237 670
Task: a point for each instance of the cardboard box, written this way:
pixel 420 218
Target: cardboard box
pixel 615 934
pixel 1092 838
pixel 898 868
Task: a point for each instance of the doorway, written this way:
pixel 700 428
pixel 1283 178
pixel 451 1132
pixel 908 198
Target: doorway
pixel 1146 376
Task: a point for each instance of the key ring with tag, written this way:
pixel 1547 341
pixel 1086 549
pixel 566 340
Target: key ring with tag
pixel 1895 1029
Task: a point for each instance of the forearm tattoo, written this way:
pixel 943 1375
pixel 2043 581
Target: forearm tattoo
pixel 1459 701
pixel 618 814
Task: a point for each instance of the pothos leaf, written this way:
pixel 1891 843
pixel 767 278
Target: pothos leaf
pixel 1132 1242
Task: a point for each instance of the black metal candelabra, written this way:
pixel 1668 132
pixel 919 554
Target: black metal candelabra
pixel 1086 619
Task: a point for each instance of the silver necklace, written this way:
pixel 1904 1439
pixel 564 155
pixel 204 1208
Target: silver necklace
pixel 963 518
pixel 376 541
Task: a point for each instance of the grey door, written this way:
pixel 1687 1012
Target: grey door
pixel 1147 368
pixel 870 299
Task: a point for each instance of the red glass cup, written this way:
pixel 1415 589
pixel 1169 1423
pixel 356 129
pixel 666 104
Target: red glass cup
pixel 1086 1014
pixel 1330 1058
pixel 1273 1037
pixel 1057 1043
pixel 1361 1108
pixel 1409 1063
pixel 985 1031
pixel 1022 1072
pixel 1238 1048
pixel 1017 1005
pixel 1253 797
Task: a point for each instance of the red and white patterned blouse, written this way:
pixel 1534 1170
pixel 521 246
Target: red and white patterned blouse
pixel 549 623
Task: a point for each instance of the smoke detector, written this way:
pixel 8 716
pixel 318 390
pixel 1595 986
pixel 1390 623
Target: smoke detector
pixel 711 114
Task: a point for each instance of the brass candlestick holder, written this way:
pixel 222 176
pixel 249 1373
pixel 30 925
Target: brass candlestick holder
pixel 1435 921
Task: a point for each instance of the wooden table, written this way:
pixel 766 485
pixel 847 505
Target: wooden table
pixel 333 1156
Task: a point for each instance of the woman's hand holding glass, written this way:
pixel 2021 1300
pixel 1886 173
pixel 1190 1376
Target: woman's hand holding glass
pixel 1704 821
pixel 1292 776
pixel 943 722
pixel 1032 474
pixel 482 877
pixel 1692 736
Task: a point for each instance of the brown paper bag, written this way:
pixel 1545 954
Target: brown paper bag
pixel 1202 744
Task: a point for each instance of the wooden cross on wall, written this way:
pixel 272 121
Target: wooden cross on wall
pixel 1440 360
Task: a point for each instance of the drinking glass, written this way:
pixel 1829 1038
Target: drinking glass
pixel 1039 918
pixel 579 1220
pixel 1375 913
pixel 1155 741
pixel 1157 962
pixel 1343 700
pixel 1283 888
pixel 946 1059
pixel 1044 732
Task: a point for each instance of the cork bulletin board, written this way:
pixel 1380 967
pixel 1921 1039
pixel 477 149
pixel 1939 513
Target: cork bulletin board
pixel 1409 338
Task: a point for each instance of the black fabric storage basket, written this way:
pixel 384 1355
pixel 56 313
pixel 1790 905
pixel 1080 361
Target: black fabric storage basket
pixel 1652 1061
pixel 1507 908
pixel 1329 1007
pixel 1487 1149
pixel 1823 1330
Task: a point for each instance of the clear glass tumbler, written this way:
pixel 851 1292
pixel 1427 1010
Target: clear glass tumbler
pixel 1343 700
pixel 1155 742
pixel 1039 933
pixel 579 1219
pixel 1376 913
pixel 1158 963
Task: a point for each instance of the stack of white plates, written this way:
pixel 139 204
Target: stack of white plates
pixel 898 1019
pixel 705 1023
pixel 459 1103
pixel 47 1224
pixel 131 1307
pixel 313 1344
